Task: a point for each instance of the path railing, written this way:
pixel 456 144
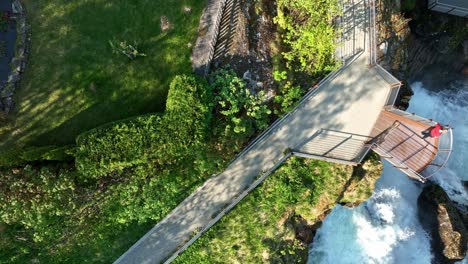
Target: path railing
pixel 372 34
pixel 335 146
pixel 444 150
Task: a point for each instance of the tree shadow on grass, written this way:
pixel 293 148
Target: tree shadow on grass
pixel 74 82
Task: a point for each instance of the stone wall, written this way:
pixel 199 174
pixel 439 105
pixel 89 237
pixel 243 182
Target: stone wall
pixel 208 30
pixel 18 63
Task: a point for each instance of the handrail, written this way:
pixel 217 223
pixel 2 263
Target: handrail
pixel 311 93
pixel 446 140
pixel 228 208
pixel 325 148
pixel 398 163
pixel 411 116
pixel 372 35
pixel 442 155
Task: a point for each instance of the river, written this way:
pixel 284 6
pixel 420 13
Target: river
pixel 386 229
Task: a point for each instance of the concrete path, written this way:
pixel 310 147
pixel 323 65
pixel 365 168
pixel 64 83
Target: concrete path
pixel 351 101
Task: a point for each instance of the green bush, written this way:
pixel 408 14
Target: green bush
pixel 37 199
pixel 288 98
pixel 308 33
pixel 11 157
pixel 159 138
pixel 408 5
pixel 242 110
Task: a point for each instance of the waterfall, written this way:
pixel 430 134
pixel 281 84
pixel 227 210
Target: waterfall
pixel 386 229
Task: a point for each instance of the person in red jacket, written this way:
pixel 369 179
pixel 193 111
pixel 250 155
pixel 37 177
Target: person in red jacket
pixel 434 131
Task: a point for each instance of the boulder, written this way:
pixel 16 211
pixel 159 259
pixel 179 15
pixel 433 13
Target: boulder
pixel 441 219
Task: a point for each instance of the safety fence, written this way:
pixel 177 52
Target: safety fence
pixel 335 146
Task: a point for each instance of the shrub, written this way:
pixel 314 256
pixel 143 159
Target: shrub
pixel 308 33
pixel 37 199
pixel 243 111
pixel 159 138
pixel 288 98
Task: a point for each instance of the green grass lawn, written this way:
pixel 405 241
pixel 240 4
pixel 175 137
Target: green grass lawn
pixel 74 82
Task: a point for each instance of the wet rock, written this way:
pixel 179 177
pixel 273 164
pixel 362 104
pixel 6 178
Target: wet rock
pixel 444 222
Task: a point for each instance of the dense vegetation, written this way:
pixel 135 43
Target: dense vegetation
pixel 162 139
pixel 309 34
pixel 127 174
pixel 242 111
pixel 276 222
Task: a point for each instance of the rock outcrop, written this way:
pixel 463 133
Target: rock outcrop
pixel 361 185
pixel 444 222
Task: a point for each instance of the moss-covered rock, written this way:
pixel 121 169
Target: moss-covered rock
pixel 362 183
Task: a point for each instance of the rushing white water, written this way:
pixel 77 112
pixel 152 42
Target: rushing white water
pixel 448 107
pixel 386 229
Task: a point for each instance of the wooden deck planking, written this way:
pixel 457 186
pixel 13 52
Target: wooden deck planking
pixel 404 141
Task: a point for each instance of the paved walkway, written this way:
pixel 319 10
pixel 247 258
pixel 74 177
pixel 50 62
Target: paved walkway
pixel 351 101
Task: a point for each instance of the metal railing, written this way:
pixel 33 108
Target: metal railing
pixel 335 146
pixel 397 163
pixel 411 116
pixel 394 83
pixel 372 34
pixel 444 150
pixel 228 208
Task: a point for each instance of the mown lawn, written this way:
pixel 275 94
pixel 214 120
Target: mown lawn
pixel 75 82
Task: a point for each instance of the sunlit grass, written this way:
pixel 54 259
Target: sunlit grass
pixel 261 228
pixel 74 82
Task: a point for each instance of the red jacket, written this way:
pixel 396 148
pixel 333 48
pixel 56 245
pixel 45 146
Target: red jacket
pixel 436 131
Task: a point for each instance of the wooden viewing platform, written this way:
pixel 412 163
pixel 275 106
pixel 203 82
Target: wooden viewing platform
pixel 401 138
pixel 397 137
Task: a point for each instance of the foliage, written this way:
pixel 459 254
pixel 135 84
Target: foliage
pixel 243 110
pixel 288 98
pixel 21 156
pixel 163 139
pixel 130 51
pixel 362 183
pixel 308 33
pixel 38 199
pixel 265 226
pixel 408 5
